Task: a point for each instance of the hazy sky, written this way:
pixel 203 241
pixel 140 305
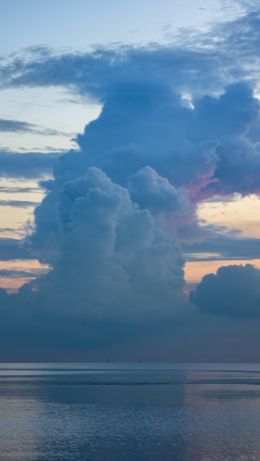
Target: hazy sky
pixel 83 23
pixel 158 190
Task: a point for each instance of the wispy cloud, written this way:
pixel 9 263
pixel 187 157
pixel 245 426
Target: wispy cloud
pixel 16 126
pixel 13 249
pixel 11 189
pixel 225 247
pixel 27 165
pixel 18 203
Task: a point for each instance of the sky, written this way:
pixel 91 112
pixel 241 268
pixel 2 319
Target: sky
pixel 129 180
pixel 66 25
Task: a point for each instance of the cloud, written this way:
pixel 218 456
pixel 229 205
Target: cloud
pixel 16 126
pixel 206 148
pixel 103 71
pixel 11 249
pixel 27 165
pixel 18 203
pixel 196 63
pixel 233 292
pixel 209 144
pixel 11 189
pixel 227 247
pixel 243 37
pixel 115 248
pixel 170 207
pixel 115 273
pixel 20 274
pixel 156 193
pixel 177 126
pixel 117 210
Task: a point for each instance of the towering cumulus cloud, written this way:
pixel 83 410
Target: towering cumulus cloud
pixel 115 268
pixel 110 257
pixel 120 207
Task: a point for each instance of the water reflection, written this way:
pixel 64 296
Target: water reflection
pixel 129 412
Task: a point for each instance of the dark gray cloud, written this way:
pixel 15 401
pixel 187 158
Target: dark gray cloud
pixel 234 291
pixel 29 165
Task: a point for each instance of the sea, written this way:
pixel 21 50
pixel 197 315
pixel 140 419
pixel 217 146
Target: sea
pixel 129 412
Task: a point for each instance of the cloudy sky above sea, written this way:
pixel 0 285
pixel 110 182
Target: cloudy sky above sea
pixel 130 180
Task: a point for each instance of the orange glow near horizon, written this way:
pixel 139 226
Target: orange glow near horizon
pixel 195 270
pixel 22 264
pixel 240 213
pixel 11 283
pixel 14 220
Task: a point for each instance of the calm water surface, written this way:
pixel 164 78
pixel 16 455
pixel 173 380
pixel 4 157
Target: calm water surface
pixel 117 412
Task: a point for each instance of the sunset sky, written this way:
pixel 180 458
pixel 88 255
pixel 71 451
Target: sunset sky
pixel 147 112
